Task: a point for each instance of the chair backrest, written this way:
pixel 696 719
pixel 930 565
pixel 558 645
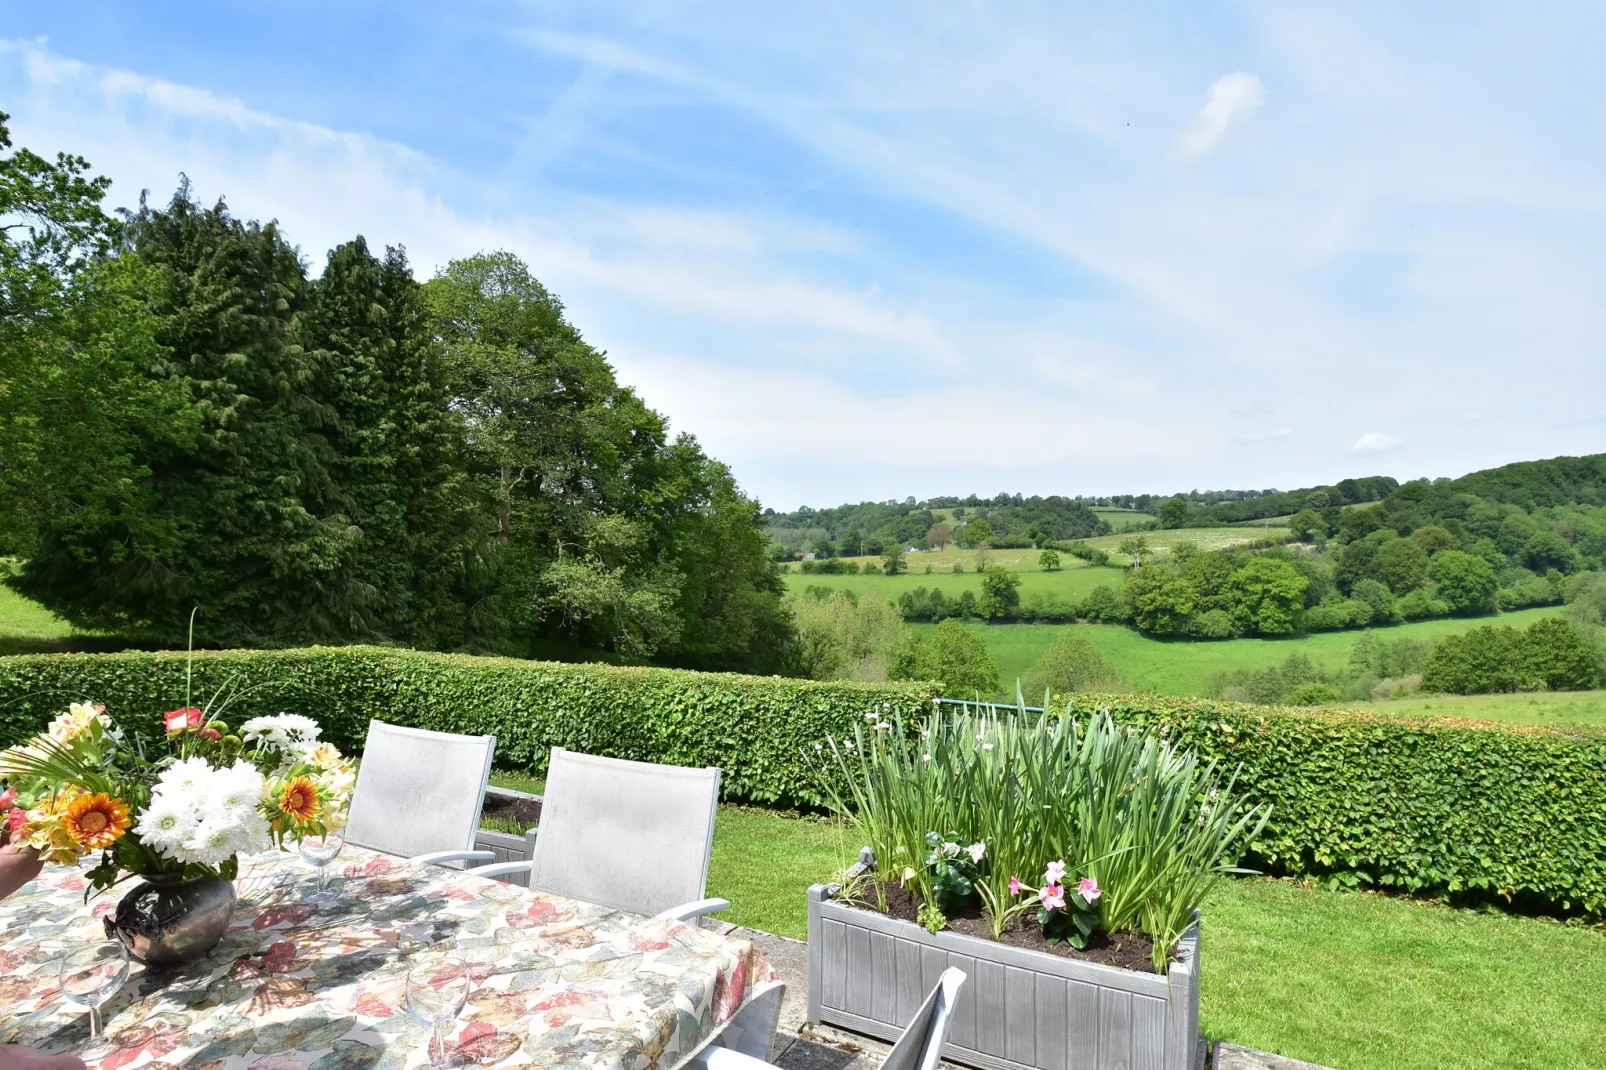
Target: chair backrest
pixel 418 791
pixel 628 835
pixel 920 1047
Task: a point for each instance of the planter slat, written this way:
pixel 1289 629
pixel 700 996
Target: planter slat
pixel 1021 1010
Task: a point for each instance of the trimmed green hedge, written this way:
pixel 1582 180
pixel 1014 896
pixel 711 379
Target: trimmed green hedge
pixel 761 731
pixel 1437 806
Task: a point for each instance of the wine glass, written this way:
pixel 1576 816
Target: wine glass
pixel 318 852
pixel 436 993
pixel 90 975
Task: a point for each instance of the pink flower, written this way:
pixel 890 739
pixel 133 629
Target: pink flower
pixel 7 797
pixel 176 721
pixel 975 851
pixel 1052 896
pixel 211 733
pixel 1088 889
pixel 16 817
pixel 1055 872
pixel 1015 886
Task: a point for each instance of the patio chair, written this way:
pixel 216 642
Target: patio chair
pixel 419 794
pixel 920 1047
pixel 628 835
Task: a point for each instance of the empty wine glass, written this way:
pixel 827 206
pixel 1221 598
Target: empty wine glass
pixel 318 852
pixel 91 975
pixel 436 993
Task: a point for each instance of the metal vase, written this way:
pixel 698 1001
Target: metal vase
pixel 165 920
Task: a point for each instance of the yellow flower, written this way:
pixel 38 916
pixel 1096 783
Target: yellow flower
pixel 78 719
pixel 324 756
pixel 96 821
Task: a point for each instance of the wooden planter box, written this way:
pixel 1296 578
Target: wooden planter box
pixel 506 846
pixel 1019 1010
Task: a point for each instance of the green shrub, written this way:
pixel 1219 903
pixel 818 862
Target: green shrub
pixel 956 657
pixel 1433 806
pixel 1550 654
pixel 1312 694
pixel 761 731
pixel 1071 663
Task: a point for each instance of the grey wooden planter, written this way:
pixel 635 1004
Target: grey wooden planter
pixel 505 845
pixel 1020 1008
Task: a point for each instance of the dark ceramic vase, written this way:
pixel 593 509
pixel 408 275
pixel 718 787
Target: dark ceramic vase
pixel 165 920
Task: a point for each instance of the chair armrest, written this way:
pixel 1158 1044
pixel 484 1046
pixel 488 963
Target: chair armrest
pixel 688 911
pixel 435 858
pixel 503 869
pixel 714 1057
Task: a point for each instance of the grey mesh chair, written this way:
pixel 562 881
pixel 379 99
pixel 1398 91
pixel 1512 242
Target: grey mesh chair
pixel 920 1047
pixel 628 835
pixel 419 794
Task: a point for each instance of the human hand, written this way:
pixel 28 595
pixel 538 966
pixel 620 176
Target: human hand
pixel 19 864
pixel 17 1057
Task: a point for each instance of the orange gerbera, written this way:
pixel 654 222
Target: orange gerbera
pixel 96 821
pixel 300 799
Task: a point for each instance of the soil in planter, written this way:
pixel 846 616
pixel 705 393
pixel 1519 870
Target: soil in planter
pixel 510 812
pixel 1127 950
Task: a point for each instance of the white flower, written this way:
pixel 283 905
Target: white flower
pixel 290 732
pixel 239 787
pixel 976 851
pixel 166 823
pixel 986 746
pixel 883 727
pixel 188 777
pixel 212 842
pixel 871 716
pixel 847 744
pixel 925 757
pixel 950 849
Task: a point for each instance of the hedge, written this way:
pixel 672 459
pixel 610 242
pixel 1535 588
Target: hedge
pixel 761 731
pixel 1435 806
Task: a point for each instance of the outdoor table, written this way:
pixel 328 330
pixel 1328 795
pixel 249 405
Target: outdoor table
pixel 295 985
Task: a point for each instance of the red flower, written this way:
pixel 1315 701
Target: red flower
pixel 7 798
pixel 177 721
pixel 16 817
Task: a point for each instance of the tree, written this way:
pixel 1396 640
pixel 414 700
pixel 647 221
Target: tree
pixel 1466 582
pixel 1135 547
pixel 1000 594
pixel 852 543
pixel 1546 550
pixel 977 532
pixel 893 562
pixel 1557 656
pixel 845 638
pixel 1434 537
pixel 1048 561
pixel 1175 513
pixel 1307 525
pixel 1379 599
pixel 1267 596
pixel 1476 662
pixel 1402 565
pixel 939 536
pixel 955 657
pixel 822 548
pixel 1161 601
pixel 1070 663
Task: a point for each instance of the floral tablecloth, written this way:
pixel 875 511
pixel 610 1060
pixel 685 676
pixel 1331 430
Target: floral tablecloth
pixel 557 983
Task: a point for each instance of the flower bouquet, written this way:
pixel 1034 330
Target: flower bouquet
pixel 178 814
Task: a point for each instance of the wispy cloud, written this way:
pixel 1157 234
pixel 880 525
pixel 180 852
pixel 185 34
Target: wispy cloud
pixel 1230 96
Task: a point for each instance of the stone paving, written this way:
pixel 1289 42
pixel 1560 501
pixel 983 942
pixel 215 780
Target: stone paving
pixel 801 1045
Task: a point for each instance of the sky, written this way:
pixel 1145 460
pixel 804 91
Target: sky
pixel 865 251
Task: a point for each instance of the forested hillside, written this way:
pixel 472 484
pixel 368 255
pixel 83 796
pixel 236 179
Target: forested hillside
pixel 189 421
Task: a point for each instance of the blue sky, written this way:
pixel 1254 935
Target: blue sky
pixel 866 251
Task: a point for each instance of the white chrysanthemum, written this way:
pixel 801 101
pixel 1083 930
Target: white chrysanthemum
pixel 250 832
pixel 215 840
pixel 239 787
pixel 188 778
pixel 300 727
pixel 265 731
pixel 289 732
pixel 166 823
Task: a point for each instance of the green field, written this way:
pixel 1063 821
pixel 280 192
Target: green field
pixel 1121 519
pixel 27 626
pixel 1181 667
pixel 1072 582
pixel 1556 708
pixel 1204 538
pixel 1344 979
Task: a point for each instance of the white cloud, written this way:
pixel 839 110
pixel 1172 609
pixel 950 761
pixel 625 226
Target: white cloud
pixel 1232 95
pixel 1375 442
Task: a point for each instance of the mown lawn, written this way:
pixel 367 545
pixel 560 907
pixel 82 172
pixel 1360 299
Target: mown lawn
pixel 26 626
pixel 1343 979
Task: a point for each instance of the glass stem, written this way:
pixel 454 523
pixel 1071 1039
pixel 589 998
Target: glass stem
pixel 323 872
pixel 94 1023
pixel 440 1042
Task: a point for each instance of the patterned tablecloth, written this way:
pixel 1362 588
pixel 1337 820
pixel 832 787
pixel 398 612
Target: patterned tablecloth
pixel 557 983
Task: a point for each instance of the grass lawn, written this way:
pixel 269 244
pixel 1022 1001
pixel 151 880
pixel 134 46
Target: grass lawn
pixel 1344 979
pixel 1181 667
pixel 1557 708
pixel 27 626
pixel 1121 519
